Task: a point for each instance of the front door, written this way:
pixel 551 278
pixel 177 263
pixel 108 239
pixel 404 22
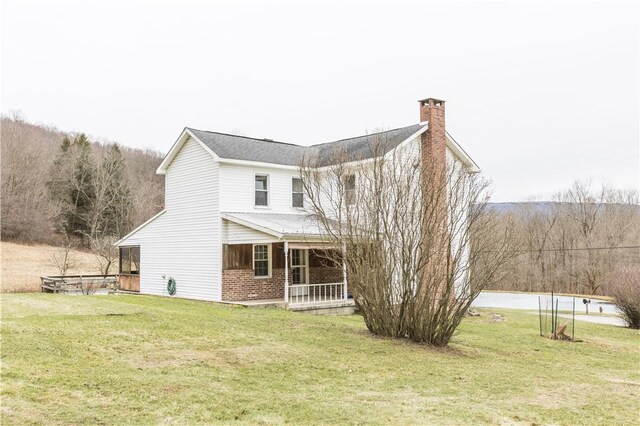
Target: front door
pixel 299 271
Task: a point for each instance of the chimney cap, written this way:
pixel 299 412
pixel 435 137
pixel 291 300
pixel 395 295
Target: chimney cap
pixel 429 100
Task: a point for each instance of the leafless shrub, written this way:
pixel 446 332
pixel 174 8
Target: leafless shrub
pixel 89 287
pixel 417 240
pixel 624 285
pixel 63 258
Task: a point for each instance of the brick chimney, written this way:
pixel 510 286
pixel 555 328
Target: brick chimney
pixel 434 169
pixel 434 139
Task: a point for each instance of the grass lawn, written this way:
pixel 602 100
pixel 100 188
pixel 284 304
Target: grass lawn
pixel 138 359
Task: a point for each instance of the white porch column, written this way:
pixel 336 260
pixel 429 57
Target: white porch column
pixel 286 271
pixel 344 271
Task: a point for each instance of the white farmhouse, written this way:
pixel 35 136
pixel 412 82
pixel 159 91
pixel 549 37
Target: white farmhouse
pixel 235 228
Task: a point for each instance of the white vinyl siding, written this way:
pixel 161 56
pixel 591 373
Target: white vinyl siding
pixel 237 189
pixel 458 243
pixel 234 233
pixel 184 242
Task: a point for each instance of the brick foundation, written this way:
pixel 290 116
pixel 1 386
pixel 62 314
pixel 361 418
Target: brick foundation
pixel 240 284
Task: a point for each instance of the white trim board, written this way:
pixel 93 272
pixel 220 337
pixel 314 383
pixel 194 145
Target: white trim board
pixel 177 145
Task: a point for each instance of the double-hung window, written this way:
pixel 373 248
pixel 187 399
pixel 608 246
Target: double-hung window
pixel 297 193
pixel 262 190
pixel 261 261
pixel 349 189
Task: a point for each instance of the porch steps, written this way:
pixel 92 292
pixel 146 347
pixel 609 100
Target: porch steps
pixel 266 303
pixel 335 307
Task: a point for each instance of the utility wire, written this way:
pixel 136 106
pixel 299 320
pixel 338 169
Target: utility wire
pixel 580 249
pixel 567 249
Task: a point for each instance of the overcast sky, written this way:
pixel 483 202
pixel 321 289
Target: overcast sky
pixel 539 93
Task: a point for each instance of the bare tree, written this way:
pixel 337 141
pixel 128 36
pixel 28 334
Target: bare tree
pixel 111 206
pixel 26 154
pixel 105 252
pixel 416 238
pixel 584 209
pixel 63 258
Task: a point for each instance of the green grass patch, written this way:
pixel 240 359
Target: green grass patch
pixel 141 360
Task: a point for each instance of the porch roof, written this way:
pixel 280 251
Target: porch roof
pixel 291 227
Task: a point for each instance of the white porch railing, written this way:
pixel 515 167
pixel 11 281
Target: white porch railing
pixel 316 293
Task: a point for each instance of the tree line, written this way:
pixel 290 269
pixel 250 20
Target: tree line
pixel 586 241
pixel 63 189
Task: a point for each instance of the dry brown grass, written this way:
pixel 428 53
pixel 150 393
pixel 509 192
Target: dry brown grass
pixel 22 266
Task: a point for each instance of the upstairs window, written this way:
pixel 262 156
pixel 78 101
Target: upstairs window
pixel 261 261
pixel 297 193
pixel 262 190
pixel 350 189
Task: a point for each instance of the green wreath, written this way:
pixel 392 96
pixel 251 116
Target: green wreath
pixel 171 286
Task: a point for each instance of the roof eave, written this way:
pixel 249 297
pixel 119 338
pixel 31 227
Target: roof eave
pixel 126 237
pixel 252 225
pixel 296 237
pixel 251 163
pixel 458 151
pixel 406 141
pixel 177 145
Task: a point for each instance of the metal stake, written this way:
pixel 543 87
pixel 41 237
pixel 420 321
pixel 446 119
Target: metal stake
pixel 573 327
pixel 540 314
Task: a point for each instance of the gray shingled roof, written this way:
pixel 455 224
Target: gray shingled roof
pixel 268 151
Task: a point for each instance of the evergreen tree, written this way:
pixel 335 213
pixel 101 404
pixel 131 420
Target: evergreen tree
pixel 83 191
pixel 72 186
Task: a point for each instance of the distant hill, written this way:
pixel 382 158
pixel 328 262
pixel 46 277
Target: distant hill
pixel 515 206
pixel 539 206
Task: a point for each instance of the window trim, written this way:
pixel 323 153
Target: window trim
pixel 253 261
pixel 268 190
pixel 127 249
pixel 294 193
pixel 306 266
pixel 349 200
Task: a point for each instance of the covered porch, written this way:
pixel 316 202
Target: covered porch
pixel 314 276
pixel 276 260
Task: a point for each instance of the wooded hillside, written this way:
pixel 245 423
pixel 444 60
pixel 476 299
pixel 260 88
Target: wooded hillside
pixel 585 242
pixel 32 160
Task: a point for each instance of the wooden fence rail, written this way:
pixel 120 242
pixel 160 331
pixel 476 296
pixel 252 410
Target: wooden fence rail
pixel 77 283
